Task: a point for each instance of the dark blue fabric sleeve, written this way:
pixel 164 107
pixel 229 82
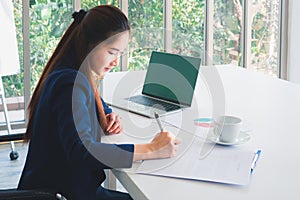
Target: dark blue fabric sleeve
pixel 79 127
pixel 107 109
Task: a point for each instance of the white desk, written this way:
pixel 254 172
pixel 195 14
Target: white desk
pixel 270 105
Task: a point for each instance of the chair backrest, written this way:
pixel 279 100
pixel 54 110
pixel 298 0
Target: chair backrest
pixel 27 195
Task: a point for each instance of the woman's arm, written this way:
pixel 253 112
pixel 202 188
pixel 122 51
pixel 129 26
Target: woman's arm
pixel 106 108
pixel 162 146
pixel 74 109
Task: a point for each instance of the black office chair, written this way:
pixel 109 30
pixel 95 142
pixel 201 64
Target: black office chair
pixel 14 194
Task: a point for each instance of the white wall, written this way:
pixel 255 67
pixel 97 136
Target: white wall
pixel 294 42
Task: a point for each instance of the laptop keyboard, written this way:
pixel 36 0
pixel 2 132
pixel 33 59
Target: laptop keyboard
pixel 153 103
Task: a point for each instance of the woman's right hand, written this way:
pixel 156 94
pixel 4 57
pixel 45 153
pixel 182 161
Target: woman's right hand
pixel 163 145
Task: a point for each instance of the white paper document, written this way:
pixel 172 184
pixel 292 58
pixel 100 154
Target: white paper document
pixel 200 160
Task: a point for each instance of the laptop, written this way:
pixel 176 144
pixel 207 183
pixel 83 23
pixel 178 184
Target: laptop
pixel 168 86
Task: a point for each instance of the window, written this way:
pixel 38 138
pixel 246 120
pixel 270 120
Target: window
pixel 13 84
pixel 48 22
pixel 265 36
pixel 188 27
pixel 227 32
pixel 240 32
pixel 146 20
pixel 85 4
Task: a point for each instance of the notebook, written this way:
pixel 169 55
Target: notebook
pixel 168 86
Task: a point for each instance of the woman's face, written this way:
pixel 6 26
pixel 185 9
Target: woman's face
pixel 106 55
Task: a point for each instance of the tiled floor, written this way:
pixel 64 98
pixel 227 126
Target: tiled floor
pixel 10 170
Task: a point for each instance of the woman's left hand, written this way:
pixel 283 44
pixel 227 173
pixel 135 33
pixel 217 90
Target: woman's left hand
pixel 114 124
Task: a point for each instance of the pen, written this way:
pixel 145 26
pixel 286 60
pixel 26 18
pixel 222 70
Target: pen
pixel 158 121
pixel 257 154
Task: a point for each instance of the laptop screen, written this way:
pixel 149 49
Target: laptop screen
pixel 172 77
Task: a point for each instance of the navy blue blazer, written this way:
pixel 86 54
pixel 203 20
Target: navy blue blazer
pixel 65 152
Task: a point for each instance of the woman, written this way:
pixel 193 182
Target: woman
pixel 67 115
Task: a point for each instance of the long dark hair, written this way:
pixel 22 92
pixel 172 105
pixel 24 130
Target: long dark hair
pixel 88 29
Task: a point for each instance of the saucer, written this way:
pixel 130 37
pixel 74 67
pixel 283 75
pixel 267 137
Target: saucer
pixel 242 138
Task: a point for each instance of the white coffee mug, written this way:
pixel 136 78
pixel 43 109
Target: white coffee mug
pixel 227 128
